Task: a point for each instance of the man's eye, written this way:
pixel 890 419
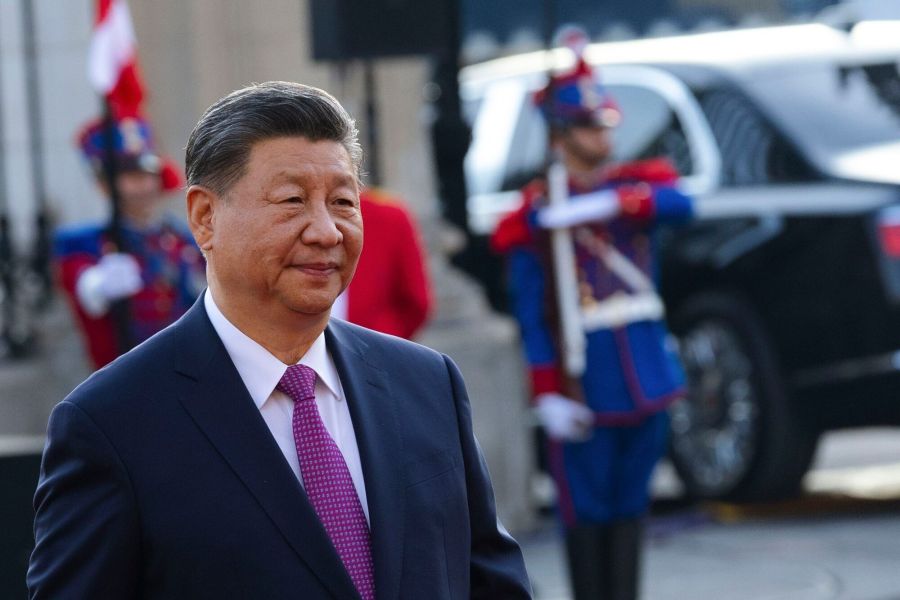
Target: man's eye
pixel 294 199
pixel 345 202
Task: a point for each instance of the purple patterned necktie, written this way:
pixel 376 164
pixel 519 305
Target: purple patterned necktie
pixel 327 481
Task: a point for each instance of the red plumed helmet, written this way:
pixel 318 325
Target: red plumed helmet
pixel 576 98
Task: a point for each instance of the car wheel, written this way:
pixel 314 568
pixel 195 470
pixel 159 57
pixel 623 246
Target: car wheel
pixel 735 436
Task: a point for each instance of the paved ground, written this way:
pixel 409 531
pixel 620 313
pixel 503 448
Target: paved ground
pixel 850 557
pixel 839 542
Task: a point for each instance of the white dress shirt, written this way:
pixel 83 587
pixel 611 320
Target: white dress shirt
pixel 261 372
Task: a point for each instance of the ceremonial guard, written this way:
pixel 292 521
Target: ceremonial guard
pixel 581 259
pixel 149 262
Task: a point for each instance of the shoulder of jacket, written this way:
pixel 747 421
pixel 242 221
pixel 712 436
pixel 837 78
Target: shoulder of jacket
pixel 653 170
pixel 78 238
pixel 384 342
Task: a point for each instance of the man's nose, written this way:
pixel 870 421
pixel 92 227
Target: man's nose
pixel 320 228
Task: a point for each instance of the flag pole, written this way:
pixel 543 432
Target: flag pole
pixel 110 63
pixel 110 177
pixel 41 253
pixel 120 309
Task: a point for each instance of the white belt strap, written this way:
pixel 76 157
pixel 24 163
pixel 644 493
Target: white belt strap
pixel 615 261
pixel 622 309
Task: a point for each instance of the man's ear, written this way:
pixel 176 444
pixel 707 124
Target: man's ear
pixel 202 204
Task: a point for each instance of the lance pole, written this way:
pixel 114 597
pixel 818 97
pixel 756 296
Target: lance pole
pixel 571 331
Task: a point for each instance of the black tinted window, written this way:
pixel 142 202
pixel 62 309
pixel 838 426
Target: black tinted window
pixel 649 128
pixel 830 109
pixel 752 151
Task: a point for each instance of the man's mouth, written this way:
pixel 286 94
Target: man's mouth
pixel 323 269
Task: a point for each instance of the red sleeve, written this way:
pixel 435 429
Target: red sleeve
pixel 636 201
pixel 390 291
pixel 99 334
pixel 658 171
pixel 412 293
pixel 545 379
pixel 513 230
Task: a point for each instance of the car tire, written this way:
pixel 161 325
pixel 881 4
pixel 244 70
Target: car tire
pixel 735 436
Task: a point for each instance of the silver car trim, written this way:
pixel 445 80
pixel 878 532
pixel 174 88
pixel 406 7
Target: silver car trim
pixel 847 370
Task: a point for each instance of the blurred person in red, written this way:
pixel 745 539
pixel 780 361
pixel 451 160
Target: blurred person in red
pixel 158 269
pixel 390 292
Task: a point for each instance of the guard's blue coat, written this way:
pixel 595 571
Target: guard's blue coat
pixel 632 371
pixel 171 267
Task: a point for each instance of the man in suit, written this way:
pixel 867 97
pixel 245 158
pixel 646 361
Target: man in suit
pixel 255 449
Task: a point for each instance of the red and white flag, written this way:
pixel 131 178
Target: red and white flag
pixel 112 59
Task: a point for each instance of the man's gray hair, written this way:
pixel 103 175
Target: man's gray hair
pixel 218 149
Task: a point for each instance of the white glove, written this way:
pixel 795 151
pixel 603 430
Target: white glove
pixel 563 418
pixel 586 208
pixel 116 276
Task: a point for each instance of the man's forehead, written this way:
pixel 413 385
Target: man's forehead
pixel 290 157
pixel 337 176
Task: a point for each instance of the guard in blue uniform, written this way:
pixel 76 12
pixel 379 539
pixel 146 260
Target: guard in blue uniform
pixel 608 427
pixel 159 270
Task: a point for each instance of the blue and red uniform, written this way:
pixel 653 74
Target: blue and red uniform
pixel 172 269
pixel 632 371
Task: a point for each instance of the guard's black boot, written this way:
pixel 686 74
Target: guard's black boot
pixel 586 547
pixel 624 550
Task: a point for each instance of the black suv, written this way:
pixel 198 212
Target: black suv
pixel 784 293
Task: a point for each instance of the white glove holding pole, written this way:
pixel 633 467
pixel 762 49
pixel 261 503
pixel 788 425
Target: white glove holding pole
pixel 563 418
pixel 116 276
pixel 587 208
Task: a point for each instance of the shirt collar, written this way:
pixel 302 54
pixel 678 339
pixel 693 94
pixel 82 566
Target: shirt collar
pixel 261 370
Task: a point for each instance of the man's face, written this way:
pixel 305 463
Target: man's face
pixel 286 237
pixel 140 194
pixel 589 145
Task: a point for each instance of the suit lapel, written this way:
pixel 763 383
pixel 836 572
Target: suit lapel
pixel 214 395
pixel 374 410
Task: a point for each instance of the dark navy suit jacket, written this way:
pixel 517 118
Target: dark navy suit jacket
pixel 160 479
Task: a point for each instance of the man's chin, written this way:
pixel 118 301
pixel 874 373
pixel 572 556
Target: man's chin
pixel 312 307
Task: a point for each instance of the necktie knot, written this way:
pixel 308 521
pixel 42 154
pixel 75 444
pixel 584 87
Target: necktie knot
pixel 299 383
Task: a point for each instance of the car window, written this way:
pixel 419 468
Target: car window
pixel 885 81
pixel 496 118
pixel 528 150
pixel 470 107
pixel 830 109
pixel 649 128
pixel 752 151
